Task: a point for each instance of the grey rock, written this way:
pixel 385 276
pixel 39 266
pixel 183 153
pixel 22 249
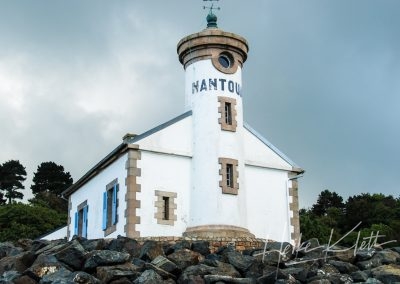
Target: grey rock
pixel 373 281
pixel 164 274
pixel 359 276
pixel 165 264
pixel 72 254
pixel 150 250
pixel 64 276
pixel 24 279
pixel 18 262
pixel 124 244
pixel 209 279
pixel 369 264
pixel 8 249
pixel 239 261
pixel 272 276
pixel 148 277
pixel 184 258
pixel 297 272
pixel 223 268
pixel 43 265
pixel 9 276
pixel 112 273
pixel 387 256
pixel 91 245
pixel 387 273
pixel 193 274
pixel 104 257
pixel 343 267
pixel 202 247
pixel 366 254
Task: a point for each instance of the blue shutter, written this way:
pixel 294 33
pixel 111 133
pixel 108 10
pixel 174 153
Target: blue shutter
pixel 84 223
pixel 76 223
pixel 105 210
pixel 114 205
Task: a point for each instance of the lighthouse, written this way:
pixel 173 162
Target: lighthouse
pixel 213 60
pixel 204 174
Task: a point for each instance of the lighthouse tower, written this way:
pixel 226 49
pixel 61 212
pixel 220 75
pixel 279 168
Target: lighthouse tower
pixel 213 60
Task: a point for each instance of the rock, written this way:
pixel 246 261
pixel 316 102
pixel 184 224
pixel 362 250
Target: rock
pixel 184 258
pixel 298 273
pixel 181 245
pixel 24 279
pixel 8 249
pixel 111 273
pixel 202 247
pixel 72 254
pixel 38 244
pixel 387 256
pixel 255 270
pixel 63 276
pixel 223 268
pixel 91 245
pixel 9 276
pixel 270 257
pixel 18 262
pixel 343 267
pixel 227 279
pixel 51 247
pixel 150 250
pixel 43 265
pixel 193 274
pixel 164 274
pixel 366 254
pixel 165 264
pixel 369 264
pixel 387 273
pixel 104 257
pixel 272 276
pixel 148 277
pixel 140 264
pixel 359 276
pixel 124 244
pixel 239 261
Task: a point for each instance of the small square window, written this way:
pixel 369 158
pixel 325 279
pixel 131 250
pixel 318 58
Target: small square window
pixel 165 207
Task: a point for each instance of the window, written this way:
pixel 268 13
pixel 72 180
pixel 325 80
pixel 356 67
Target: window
pixel 81 220
pixel 165 207
pixel 228 113
pixel 110 207
pixel 229 175
pixel 227 109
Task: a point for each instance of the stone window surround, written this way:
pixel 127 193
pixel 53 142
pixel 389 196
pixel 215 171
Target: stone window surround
pixel 160 207
pixel 222 172
pixel 221 109
pixel 294 208
pixel 80 208
pixel 113 227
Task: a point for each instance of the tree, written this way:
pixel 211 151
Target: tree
pixel 2 200
pixel 49 181
pixel 12 174
pixel 50 177
pixel 326 200
pixel 19 220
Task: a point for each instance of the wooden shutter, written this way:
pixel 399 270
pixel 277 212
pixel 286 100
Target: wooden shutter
pixel 114 205
pixel 76 223
pixel 85 219
pixel 105 210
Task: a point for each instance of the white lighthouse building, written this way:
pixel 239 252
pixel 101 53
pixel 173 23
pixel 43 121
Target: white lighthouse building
pixel 205 173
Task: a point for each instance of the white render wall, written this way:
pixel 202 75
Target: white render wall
pixel 211 143
pixel 92 191
pixel 268 203
pixel 163 172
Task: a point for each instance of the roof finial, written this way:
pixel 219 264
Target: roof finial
pixel 211 17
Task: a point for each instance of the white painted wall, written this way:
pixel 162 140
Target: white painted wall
pixel 267 203
pixel 174 139
pixel 210 143
pixel 167 173
pixel 58 234
pixel 93 190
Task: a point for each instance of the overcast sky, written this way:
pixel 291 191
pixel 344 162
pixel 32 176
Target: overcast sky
pixel 322 82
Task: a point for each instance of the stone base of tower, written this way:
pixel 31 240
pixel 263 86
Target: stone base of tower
pixel 217 231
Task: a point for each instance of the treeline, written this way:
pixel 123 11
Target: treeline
pixel 47 209
pixel 362 215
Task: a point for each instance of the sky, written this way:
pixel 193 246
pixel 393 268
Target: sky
pixel 321 83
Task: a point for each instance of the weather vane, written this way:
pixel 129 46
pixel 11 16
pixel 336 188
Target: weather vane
pixel 212 6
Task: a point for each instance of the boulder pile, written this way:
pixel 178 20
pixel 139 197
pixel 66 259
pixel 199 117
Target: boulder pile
pixel 124 260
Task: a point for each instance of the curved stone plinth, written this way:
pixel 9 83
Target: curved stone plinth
pixel 217 231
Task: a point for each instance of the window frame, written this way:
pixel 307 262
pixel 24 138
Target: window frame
pixel 165 205
pixel 110 208
pixel 228 113
pixel 81 220
pixel 229 176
